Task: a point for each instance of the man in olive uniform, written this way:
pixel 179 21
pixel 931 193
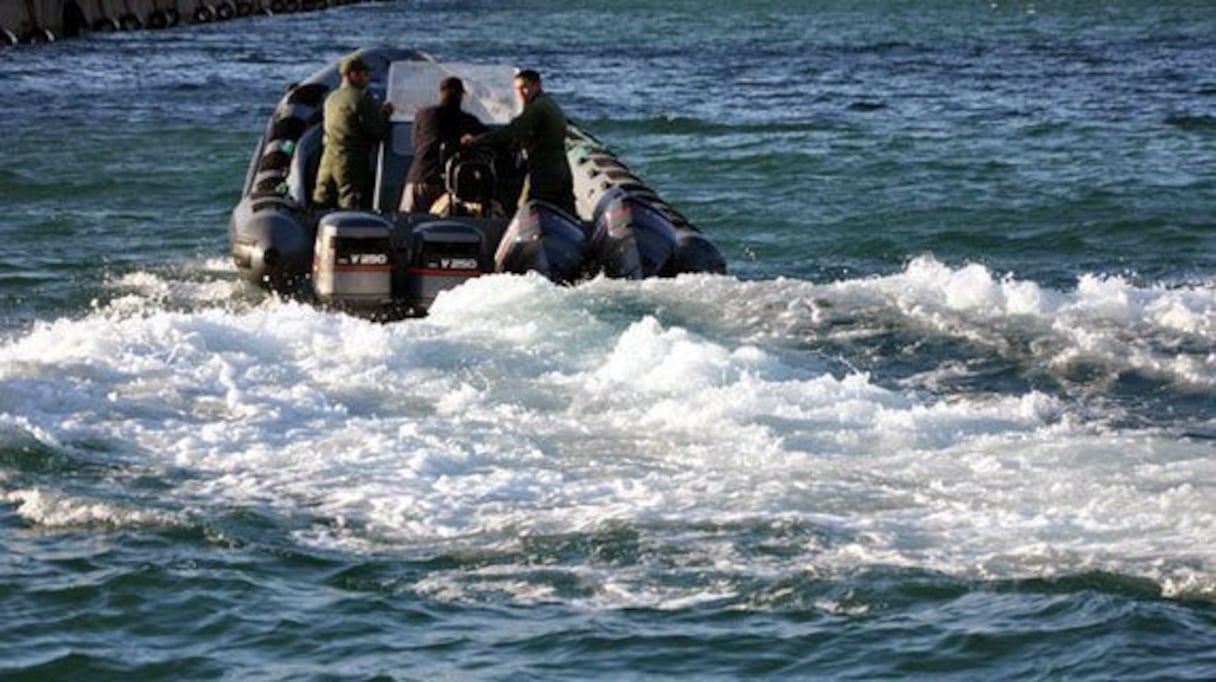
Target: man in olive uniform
pixel 353 124
pixel 541 129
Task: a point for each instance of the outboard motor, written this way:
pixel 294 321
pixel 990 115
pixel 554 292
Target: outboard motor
pixel 544 238
pixel 353 264
pixel 632 239
pixel 444 255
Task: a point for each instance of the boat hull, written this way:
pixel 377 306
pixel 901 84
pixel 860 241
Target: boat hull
pixel 281 242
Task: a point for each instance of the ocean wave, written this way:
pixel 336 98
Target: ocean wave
pixel 51 509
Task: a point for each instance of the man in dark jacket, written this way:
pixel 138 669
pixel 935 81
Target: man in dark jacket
pixel 354 122
pixel 435 128
pixel 541 130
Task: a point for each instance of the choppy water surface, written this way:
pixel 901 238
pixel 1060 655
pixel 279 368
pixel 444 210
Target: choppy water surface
pixel 951 415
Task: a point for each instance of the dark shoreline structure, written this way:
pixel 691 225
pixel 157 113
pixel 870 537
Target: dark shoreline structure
pixel 34 22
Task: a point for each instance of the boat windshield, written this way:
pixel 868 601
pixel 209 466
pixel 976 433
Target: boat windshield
pixel 489 90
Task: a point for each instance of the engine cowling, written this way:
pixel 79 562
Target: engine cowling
pixel 353 261
pixel 443 254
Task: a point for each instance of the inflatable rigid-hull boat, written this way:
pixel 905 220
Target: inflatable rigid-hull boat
pixel 388 264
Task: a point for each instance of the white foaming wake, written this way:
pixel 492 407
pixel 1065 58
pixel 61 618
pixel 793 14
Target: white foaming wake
pixel 1106 320
pixel 520 409
pixel 1167 332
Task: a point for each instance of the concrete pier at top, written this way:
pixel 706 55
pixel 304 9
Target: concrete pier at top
pixel 42 21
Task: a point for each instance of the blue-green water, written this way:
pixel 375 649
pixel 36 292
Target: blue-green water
pixel 951 416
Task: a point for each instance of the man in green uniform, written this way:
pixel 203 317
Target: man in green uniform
pixel 353 124
pixel 541 130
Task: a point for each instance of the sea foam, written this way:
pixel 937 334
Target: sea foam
pixel 523 410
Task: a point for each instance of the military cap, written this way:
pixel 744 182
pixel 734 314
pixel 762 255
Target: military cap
pixel 351 64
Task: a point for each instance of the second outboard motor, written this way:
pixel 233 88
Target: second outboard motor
pixel 353 265
pixel 544 238
pixel 444 254
pixel 632 240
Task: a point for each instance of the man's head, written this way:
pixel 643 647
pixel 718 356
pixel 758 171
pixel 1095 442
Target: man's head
pixel 451 91
pixel 527 85
pixel 355 71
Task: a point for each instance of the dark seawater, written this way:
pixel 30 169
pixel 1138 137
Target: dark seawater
pixel 952 415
